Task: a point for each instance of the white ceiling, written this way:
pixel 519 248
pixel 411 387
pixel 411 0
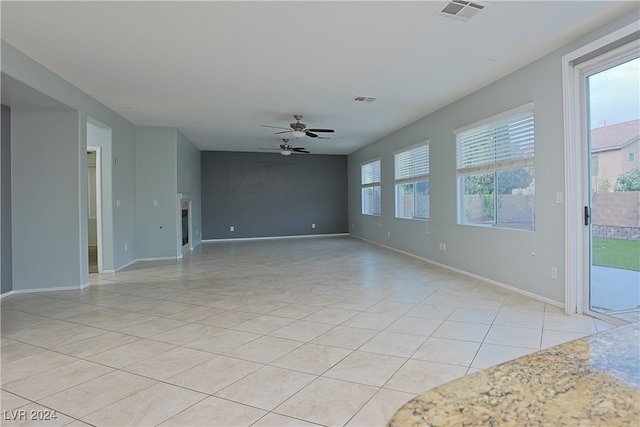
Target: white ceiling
pixel 219 70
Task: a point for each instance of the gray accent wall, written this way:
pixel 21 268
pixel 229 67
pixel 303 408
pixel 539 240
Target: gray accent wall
pixel 517 258
pixel 6 275
pixel 270 195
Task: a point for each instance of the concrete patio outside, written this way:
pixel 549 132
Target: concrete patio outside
pixel 616 292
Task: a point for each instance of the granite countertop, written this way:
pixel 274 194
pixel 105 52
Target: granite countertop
pixel 592 381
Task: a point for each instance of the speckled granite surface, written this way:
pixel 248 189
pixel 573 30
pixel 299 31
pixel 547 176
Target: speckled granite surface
pixel 592 381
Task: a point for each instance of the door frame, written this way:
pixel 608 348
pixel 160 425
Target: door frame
pixel 183 249
pixel 575 67
pixel 98 183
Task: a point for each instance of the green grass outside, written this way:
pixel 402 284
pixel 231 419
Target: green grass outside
pixel 616 253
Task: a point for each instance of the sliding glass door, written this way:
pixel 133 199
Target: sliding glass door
pixel 612 211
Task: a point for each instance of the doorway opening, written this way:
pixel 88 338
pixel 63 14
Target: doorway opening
pixel 185 215
pixel 99 208
pixel 602 146
pixel 94 209
pixel 614 172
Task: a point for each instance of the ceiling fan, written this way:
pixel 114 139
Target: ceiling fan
pixel 286 149
pixel 298 130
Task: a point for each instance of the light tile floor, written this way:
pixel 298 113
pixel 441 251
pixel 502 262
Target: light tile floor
pixel 297 332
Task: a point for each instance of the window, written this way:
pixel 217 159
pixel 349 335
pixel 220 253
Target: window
pixel 412 182
pixel 495 169
pixel 371 187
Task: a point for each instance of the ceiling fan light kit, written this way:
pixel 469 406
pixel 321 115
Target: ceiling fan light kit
pixel 299 130
pixel 286 149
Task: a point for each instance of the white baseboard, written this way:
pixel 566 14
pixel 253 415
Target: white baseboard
pixel 189 247
pixel 448 267
pixel 468 274
pixel 6 294
pixel 142 259
pixel 302 236
pixel 157 258
pixel 60 288
pixel 122 267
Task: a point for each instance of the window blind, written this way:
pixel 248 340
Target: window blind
pixel 371 173
pixel 412 164
pixel 496 145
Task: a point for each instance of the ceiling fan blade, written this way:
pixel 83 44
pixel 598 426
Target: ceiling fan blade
pixel 297 148
pixel 275 127
pixel 286 131
pixel 311 135
pixel 321 130
pixel 301 151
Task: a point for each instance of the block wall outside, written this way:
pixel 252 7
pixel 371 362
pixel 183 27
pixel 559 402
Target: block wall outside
pixel 616 215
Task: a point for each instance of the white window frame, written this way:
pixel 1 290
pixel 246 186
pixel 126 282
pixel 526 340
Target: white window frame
pixel 373 183
pixel 412 176
pixel 481 158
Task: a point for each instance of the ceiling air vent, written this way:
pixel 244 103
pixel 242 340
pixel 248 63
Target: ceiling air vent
pixel 461 10
pixel 364 99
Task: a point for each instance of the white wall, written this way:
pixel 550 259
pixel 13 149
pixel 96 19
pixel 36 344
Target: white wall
pixel 501 255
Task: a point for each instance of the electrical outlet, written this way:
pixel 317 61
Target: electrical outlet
pixel 126 247
pixel 313 226
pixel 232 228
pixel 388 234
pixel 554 272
